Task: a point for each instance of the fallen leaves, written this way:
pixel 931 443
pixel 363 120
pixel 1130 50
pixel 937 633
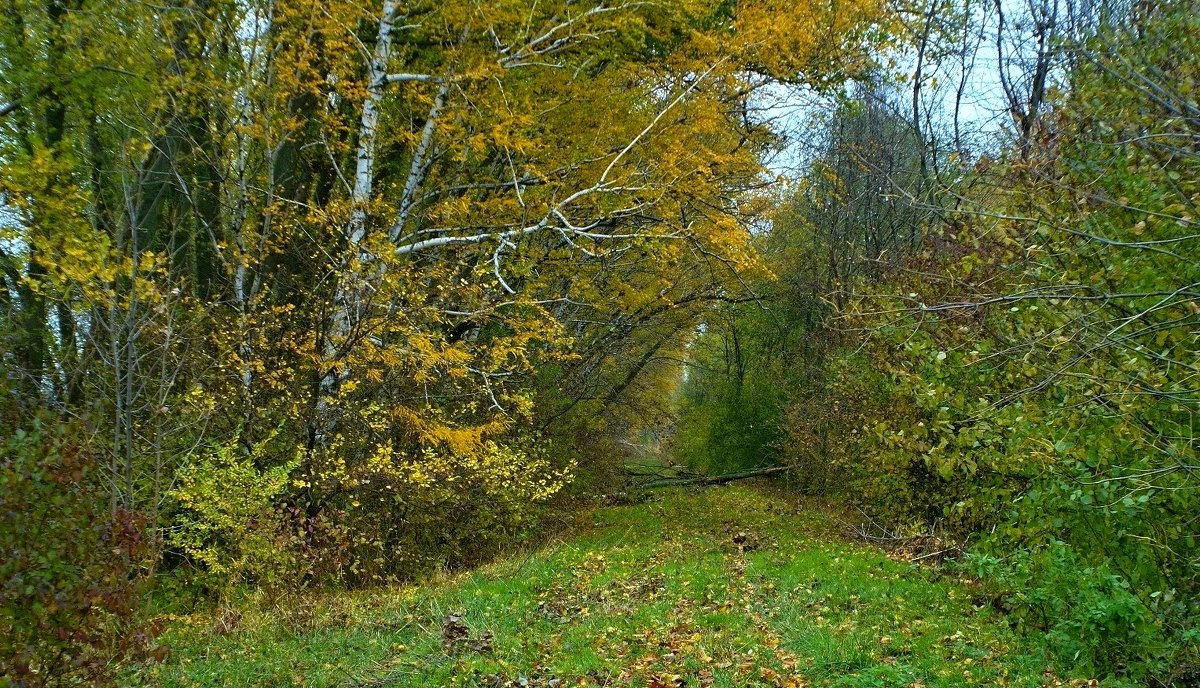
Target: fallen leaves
pixel 454 631
pixel 521 681
pixel 457 636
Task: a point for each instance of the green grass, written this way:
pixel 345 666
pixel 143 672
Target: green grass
pixel 721 587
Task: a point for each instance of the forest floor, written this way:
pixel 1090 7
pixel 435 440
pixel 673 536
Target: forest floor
pixel 715 587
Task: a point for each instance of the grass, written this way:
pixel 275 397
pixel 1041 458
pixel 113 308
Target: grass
pixel 720 587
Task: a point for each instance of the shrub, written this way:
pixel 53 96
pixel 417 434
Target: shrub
pixel 1088 612
pixel 443 507
pixel 69 589
pixel 227 519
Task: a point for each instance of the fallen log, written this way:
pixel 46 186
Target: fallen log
pixel 707 480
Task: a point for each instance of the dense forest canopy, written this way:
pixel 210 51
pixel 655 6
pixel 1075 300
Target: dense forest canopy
pixel 311 293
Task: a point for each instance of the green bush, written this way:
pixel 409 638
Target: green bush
pixel 439 508
pixel 1087 612
pixel 227 520
pixel 1028 380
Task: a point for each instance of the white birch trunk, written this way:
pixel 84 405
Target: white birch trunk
pixel 420 163
pixel 348 293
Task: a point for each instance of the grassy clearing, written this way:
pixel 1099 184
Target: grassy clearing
pixel 720 587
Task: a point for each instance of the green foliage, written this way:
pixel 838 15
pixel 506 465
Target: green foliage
pixel 1089 616
pixel 227 518
pixel 1027 381
pixel 68 562
pixel 728 411
pixel 765 383
pixel 443 508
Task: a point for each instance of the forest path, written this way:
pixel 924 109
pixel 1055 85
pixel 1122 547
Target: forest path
pixel 716 587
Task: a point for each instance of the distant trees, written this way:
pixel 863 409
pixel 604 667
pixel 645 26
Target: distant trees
pixel 861 207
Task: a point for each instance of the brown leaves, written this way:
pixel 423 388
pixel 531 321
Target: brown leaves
pixel 535 680
pixel 227 621
pixel 457 636
pixel 744 542
pixel 454 631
